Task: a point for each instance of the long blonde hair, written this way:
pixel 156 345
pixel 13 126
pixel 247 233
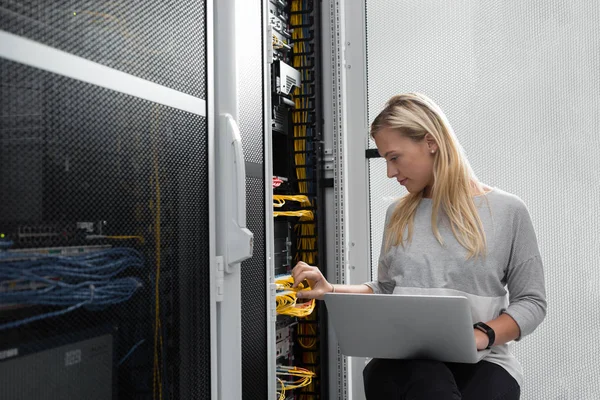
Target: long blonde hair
pixel 415 115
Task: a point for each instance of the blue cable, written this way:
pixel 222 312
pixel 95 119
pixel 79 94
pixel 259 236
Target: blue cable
pixel 16 324
pixel 130 352
pixel 83 280
pixel 98 293
pixel 96 296
pixel 99 265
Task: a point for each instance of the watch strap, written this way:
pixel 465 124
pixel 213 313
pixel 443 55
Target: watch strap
pixel 488 331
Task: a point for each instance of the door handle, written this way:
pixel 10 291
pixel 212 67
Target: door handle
pixel 240 241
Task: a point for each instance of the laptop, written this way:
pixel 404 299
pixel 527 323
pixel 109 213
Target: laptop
pixel 404 326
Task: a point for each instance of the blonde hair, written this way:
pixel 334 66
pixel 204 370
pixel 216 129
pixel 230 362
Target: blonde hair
pixel 415 115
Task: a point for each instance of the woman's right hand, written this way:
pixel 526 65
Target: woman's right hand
pixel 316 280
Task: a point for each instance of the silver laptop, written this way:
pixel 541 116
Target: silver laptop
pixel 404 326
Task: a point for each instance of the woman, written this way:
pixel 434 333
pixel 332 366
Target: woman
pixel 450 235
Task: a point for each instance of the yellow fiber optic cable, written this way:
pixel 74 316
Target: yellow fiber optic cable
pixel 126 237
pixel 282 393
pixel 156 379
pixel 303 214
pixel 303 200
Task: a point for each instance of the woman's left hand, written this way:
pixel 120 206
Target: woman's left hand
pixel 481 339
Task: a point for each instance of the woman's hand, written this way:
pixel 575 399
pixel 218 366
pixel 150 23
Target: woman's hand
pixel 481 339
pixel 316 280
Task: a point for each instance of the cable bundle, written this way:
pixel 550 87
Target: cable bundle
pixel 98 265
pixel 287 305
pixel 280 198
pixel 305 377
pixel 287 301
pixel 303 130
pixel 305 215
pixel 305 329
pixel 286 282
pixel 281 393
pixel 279 44
pixel 309 343
pixel 84 280
pixel 304 119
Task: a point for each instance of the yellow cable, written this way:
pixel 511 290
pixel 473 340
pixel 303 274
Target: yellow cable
pixel 287 281
pixel 125 237
pixel 303 200
pixel 282 393
pixel 303 214
pixel 287 301
pixel 307 242
pixel 305 376
pixel 295 309
pixel 156 380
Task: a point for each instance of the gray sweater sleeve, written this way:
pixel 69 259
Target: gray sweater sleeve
pixel 385 283
pixel 525 275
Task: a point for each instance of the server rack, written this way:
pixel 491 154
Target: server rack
pixel 104 185
pixel 298 171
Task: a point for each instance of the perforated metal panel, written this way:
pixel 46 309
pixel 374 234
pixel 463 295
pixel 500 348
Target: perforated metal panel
pixel 253 271
pixel 84 168
pixel 250 81
pixel 519 82
pixel 163 42
pixel 254 299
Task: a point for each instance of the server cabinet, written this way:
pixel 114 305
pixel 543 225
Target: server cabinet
pixel 105 239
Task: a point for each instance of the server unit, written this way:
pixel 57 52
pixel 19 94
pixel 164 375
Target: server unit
pixel 70 366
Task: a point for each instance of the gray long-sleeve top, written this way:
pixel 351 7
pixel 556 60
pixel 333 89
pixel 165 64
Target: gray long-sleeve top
pixel 512 262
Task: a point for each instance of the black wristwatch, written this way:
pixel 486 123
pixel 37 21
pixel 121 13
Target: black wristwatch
pixel 488 331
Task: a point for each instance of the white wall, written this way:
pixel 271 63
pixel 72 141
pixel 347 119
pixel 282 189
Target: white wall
pixel 520 83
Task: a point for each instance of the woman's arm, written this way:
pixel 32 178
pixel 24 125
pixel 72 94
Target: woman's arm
pixel 318 283
pixel 525 276
pixel 353 289
pixel 505 328
pixel 526 286
pixel 320 292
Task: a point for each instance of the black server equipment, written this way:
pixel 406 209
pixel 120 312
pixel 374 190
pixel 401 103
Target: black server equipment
pixel 311 333
pixel 79 365
pixel 283 247
pixel 298 194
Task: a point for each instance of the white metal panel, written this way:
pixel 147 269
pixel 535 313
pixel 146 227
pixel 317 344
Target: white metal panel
pixel 519 82
pixel 210 84
pixel 269 229
pixel 229 330
pixel 330 59
pixel 349 130
pixel 356 138
pixel 337 121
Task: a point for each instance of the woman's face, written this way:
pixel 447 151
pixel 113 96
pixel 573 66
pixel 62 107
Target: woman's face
pixel 408 161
